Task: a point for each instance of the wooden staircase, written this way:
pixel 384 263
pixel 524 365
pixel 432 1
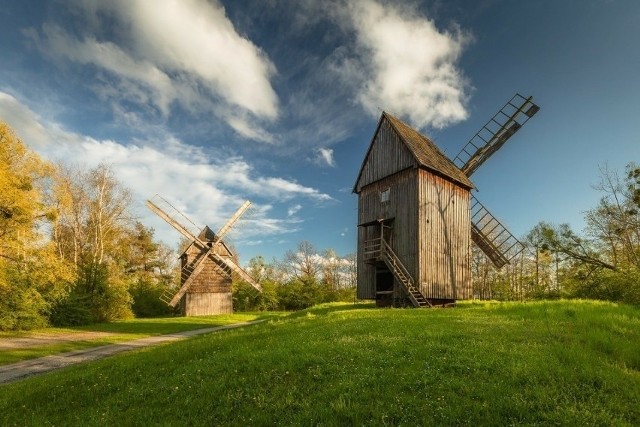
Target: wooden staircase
pixel 379 250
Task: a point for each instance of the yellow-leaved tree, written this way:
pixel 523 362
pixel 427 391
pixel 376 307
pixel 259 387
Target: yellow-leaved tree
pixel 32 276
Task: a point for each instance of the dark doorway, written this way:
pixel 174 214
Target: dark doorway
pixel 384 286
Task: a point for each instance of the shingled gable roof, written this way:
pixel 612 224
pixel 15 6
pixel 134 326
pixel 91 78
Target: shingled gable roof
pixel 423 150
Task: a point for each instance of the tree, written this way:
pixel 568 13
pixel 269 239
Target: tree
pixel 615 222
pixel 304 263
pixel 32 277
pixel 93 231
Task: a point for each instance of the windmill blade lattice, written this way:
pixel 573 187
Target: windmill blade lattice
pixel 493 135
pixel 174 217
pixel 491 236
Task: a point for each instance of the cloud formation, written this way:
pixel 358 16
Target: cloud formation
pixel 185 51
pixel 205 188
pixel 325 157
pixel 404 64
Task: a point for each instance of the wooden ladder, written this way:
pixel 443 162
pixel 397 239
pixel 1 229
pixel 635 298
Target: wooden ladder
pixel 229 266
pixel 188 274
pixel 402 274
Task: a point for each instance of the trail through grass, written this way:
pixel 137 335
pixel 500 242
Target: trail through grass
pixel 569 363
pixel 120 331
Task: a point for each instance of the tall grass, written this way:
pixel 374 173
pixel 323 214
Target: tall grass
pixel 570 363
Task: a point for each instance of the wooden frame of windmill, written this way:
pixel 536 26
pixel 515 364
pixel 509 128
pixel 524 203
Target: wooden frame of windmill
pixel 417 216
pixel 207 264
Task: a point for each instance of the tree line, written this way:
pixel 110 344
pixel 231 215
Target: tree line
pixel 602 262
pixel 72 252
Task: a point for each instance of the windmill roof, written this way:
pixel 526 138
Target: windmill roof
pixel 207 235
pixel 426 152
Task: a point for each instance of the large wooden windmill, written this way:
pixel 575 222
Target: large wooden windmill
pixel 417 216
pixel 207 264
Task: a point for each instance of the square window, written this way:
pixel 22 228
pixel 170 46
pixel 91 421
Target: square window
pixel 384 195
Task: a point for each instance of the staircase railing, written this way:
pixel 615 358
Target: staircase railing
pixel 402 274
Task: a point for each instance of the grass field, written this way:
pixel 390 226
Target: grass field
pixel 125 330
pixel 542 363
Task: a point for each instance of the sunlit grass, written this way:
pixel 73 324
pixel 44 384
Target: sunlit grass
pixel 546 363
pixel 125 330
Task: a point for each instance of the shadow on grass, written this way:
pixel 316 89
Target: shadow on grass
pixel 167 325
pixel 331 307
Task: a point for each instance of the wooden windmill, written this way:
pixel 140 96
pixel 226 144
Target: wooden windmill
pixel 207 263
pixel 417 217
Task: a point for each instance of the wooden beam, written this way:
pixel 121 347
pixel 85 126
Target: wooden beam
pixel 236 216
pixel 175 224
pixel 197 268
pixel 237 269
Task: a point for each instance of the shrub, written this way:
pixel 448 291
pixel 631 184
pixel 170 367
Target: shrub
pixel 146 295
pixel 21 309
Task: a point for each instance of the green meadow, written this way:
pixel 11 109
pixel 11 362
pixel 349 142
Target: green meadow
pixel 537 363
pixel 120 331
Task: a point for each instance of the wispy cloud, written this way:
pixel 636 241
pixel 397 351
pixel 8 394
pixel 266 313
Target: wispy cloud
pixel 184 51
pixel 293 210
pixel 208 189
pixel 324 156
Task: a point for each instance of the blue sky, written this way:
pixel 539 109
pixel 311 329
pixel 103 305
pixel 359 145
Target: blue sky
pixel 209 103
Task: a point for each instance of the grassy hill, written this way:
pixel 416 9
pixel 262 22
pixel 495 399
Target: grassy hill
pixel 572 363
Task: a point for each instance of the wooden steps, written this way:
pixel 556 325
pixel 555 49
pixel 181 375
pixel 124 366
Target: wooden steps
pixel 402 275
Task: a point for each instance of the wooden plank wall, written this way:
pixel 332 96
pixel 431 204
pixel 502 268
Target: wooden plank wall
pixel 444 238
pixel 387 156
pixel 402 207
pixel 210 292
pixel 208 303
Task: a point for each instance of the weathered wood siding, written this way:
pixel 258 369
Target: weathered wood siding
pixel 207 303
pixel 403 209
pixel 210 292
pixel 444 238
pixel 387 155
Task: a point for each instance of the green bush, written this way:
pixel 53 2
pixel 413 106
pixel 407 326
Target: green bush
pixel 21 309
pixel 618 286
pixel 74 310
pixel 291 296
pixel 146 299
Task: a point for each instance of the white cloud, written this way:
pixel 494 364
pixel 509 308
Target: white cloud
pixel 185 51
pixel 293 210
pixel 405 65
pixel 325 157
pixel 207 189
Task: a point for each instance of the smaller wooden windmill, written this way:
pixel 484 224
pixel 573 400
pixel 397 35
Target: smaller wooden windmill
pixel 207 263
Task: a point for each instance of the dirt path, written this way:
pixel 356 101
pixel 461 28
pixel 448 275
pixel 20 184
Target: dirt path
pixel 28 368
pixel 35 340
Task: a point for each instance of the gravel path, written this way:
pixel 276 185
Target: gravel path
pixel 28 368
pixel 35 340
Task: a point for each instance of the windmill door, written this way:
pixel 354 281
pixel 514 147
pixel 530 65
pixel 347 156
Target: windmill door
pixel 384 277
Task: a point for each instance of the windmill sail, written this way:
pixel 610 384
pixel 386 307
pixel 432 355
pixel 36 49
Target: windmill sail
pixel 236 216
pixel 223 265
pixel 498 244
pixel 493 135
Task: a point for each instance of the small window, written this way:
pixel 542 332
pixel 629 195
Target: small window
pixel 384 195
